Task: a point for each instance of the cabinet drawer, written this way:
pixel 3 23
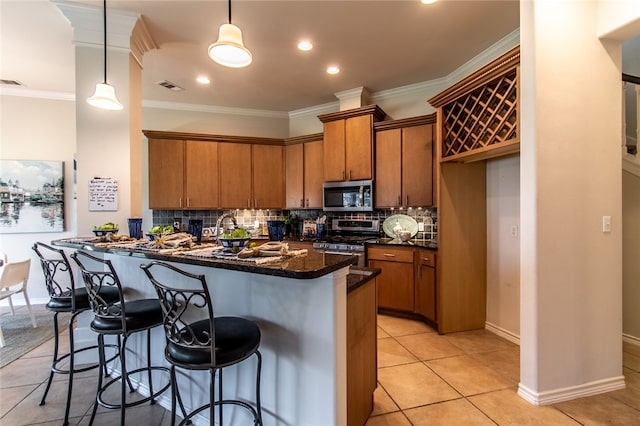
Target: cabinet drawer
pixel 426 258
pixel 390 254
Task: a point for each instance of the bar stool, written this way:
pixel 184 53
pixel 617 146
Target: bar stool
pixel 65 297
pixel 210 344
pixel 122 319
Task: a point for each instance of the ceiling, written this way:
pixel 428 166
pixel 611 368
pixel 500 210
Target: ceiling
pixel 377 44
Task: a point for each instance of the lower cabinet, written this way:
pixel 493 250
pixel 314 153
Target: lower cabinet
pixel 395 283
pixel 425 303
pixel 408 279
pixel 362 361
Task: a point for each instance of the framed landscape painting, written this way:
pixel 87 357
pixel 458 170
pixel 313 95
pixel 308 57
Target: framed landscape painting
pixel 31 196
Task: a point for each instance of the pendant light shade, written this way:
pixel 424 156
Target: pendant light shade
pixel 229 50
pixel 105 95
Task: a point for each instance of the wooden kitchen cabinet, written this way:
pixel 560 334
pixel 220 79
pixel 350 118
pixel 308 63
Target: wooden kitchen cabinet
pixel 396 282
pixel 425 284
pixel 251 176
pixel 183 174
pixel 235 175
pixel 404 163
pixel 268 177
pixel 348 143
pixel 304 175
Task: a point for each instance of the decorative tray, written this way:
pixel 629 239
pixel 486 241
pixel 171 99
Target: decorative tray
pixel 406 222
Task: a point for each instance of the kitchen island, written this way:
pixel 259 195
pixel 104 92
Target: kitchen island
pixel 300 305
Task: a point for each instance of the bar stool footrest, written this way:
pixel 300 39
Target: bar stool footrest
pixel 113 380
pixel 58 370
pixel 256 421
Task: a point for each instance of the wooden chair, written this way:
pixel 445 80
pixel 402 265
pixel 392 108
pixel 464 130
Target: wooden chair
pixel 13 280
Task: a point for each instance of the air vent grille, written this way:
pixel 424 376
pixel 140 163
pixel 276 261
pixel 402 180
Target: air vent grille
pixel 169 85
pixel 10 82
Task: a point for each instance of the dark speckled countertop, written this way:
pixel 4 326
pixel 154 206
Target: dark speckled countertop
pixel 307 266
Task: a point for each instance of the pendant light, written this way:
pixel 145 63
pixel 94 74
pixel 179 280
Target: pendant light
pixel 105 95
pixel 229 50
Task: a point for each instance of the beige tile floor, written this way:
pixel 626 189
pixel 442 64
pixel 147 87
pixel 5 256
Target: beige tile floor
pixel 467 378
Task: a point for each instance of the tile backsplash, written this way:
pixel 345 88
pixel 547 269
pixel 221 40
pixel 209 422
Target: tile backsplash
pixel 247 218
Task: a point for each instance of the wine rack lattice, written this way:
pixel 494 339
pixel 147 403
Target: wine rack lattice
pixel 484 117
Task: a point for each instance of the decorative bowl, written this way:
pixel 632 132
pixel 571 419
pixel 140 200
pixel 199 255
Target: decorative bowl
pixel 231 243
pixel 158 234
pixel 101 232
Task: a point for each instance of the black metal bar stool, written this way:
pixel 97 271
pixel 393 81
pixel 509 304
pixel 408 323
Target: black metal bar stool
pixel 122 318
pixel 210 344
pixel 65 297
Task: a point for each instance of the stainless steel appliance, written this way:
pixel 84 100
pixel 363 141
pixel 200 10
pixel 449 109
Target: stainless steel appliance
pixel 348 196
pixel 347 237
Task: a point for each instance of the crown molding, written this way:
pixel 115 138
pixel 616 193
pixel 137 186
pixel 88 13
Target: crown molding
pixel 315 110
pixel 215 109
pixel 38 94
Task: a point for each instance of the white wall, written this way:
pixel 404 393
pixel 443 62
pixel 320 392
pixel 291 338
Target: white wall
pixel 38 129
pixel 503 248
pixel 571 272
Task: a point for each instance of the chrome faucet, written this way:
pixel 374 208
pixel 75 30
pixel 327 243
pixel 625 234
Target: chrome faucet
pixel 219 222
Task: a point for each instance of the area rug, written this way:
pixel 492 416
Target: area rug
pixel 20 337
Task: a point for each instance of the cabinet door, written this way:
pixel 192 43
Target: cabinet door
pixel 417 166
pixel 294 172
pixel 359 148
pixel 425 296
pixel 313 174
pixel 235 175
pixel 334 150
pixel 268 177
pixel 388 190
pixel 201 175
pixel 395 285
pixel 166 173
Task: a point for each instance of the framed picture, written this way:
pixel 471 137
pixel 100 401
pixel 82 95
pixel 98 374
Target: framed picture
pixel 31 196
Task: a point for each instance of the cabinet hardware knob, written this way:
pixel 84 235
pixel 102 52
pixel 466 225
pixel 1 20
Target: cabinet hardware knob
pixel 399 199
pixel 389 255
pixel 307 202
pixel 301 202
pixel 426 259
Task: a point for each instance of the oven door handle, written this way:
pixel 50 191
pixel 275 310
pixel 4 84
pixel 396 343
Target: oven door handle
pixel 343 253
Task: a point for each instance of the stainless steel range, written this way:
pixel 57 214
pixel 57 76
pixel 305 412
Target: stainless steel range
pixel 347 237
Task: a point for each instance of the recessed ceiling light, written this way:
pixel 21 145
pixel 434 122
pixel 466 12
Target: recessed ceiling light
pixel 305 45
pixel 428 1
pixel 203 79
pixel 333 70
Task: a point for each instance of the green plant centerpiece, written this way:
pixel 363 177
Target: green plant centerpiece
pixel 235 240
pixel 290 221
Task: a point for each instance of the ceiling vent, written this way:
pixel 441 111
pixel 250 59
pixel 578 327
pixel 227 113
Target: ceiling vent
pixel 169 85
pixel 10 82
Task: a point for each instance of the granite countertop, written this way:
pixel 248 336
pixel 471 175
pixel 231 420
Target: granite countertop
pixel 305 266
pixel 411 243
pixel 359 276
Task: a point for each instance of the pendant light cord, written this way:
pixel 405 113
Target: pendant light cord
pixel 229 11
pixel 104 22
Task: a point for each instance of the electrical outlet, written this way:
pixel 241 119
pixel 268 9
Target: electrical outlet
pixel 514 231
pixel 606 224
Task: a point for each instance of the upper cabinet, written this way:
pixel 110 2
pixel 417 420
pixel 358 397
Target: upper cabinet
pixel 404 162
pixel 479 115
pixel 183 174
pixel 348 145
pixel 251 176
pixel 304 172
pixel 268 177
pixel 196 171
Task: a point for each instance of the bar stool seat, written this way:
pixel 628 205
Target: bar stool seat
pixel 210 344
pixel 64 297
pixel 122 319
pixel 236 339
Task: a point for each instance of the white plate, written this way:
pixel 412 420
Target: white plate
pixel 407 223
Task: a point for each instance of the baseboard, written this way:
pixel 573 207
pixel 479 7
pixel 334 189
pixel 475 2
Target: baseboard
pixel 505 334
pixel 632 340
pixel 565 394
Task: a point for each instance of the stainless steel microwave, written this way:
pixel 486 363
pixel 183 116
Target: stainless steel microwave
pixel 351 196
